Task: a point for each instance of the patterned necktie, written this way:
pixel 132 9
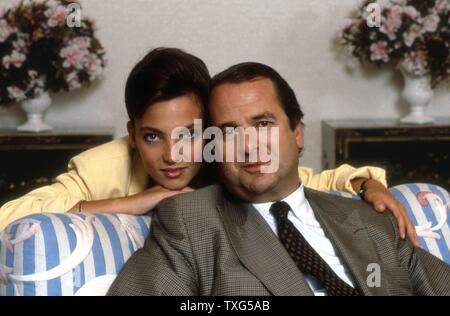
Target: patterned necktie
pixel 306 258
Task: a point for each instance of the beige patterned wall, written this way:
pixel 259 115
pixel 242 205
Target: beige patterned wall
pixel 294 36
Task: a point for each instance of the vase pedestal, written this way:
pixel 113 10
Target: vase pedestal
pixel 418 94
pixel 417 116
pixel 35 109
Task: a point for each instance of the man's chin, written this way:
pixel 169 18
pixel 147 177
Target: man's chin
pixel 261 184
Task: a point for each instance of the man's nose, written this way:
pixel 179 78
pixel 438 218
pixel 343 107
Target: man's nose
pixel 250 144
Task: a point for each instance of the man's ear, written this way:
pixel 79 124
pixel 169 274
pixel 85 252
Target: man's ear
pixel 131 134
pixel 299 136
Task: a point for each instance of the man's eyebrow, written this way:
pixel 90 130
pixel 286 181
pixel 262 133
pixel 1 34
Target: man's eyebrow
pixel 264 115
pixel 228 124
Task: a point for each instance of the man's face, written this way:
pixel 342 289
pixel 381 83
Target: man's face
pixel 255 104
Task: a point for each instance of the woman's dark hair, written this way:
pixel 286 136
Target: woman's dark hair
pixel 250 71
pixel 164 74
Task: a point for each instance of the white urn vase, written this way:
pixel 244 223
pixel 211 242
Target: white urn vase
pixel 35 109
pixel 418 94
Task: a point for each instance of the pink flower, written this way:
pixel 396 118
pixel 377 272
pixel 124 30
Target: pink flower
pixel 379 51
pixel 76 54
pixel 415 63
pixel 73 56
pixel 73 81
pixel 32 74
pixel 431 22
pixel 95 68
pixel 16 93
pixel 411 12
pixel 414 32
pixel 392 23
pixel 55 15
pixel 16 59
pixel 92 23
pixel 81 42
pixel 36 84
pixel 20 45
pixel 5 30
pixel 441 5
pixel 396 12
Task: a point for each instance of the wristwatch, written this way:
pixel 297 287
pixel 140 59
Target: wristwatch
pixel 362 189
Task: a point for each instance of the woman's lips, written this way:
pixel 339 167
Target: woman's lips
pixel 173 173
pixel 254 167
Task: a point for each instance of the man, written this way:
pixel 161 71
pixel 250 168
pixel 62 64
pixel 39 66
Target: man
pixel 263 233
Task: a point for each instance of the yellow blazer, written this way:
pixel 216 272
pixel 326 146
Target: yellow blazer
pixel 114 170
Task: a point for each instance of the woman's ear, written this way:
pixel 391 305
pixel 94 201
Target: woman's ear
pixel 131 134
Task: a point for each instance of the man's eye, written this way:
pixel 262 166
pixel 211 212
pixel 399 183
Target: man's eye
pixel 229 131
pixel 151 138
pixel 263 123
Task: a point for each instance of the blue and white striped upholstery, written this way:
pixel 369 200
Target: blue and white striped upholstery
pixel 53 242
pixel 422 213
pixel 95 246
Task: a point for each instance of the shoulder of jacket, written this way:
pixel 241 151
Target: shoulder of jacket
pixel 199 201
pixel 115 149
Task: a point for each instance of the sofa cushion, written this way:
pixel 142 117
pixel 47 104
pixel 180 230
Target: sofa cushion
pixel 70 254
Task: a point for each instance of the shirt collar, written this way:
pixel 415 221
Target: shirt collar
pixel 296 201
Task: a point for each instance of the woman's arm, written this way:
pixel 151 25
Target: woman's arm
pixel 137 204
pixel 350 179
pixel 340 179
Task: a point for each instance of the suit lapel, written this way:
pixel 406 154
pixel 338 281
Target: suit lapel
pixel 350 238
pixel 260 251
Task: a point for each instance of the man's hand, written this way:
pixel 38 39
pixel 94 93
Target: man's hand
pixel 381 199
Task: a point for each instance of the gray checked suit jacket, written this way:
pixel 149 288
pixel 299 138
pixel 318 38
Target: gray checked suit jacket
pixel 207 243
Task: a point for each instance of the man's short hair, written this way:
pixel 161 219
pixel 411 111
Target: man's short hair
pixel 249 71
pixel 164 74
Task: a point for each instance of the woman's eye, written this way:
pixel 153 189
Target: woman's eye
pixel 151 138
pixel 188 135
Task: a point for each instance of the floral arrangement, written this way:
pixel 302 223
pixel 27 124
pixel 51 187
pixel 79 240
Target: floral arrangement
pixel 40 52
pixel 412 34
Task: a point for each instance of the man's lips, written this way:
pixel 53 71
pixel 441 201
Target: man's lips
pixel 173 173
pixel 254 167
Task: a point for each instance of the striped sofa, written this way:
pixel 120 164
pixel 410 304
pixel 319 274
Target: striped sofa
pixel 80 254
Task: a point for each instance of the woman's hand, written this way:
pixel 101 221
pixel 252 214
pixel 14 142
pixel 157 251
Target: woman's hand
pixel 381 199
pixel 146 201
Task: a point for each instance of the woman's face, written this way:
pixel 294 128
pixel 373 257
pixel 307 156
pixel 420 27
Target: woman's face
pixel 151 136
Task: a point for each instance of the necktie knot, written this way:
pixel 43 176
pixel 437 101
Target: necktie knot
pixel 280 210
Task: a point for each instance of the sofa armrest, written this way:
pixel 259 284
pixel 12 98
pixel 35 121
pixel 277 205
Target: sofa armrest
pixel 427 206
pixel 62 254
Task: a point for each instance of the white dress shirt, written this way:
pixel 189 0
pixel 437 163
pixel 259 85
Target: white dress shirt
pixel 303 218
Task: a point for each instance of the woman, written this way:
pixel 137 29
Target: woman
pixel 167 89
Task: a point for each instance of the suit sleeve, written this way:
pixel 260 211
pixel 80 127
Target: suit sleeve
pixel 428 274
pixel 339 179
pixel 70 187
pixel 165 265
